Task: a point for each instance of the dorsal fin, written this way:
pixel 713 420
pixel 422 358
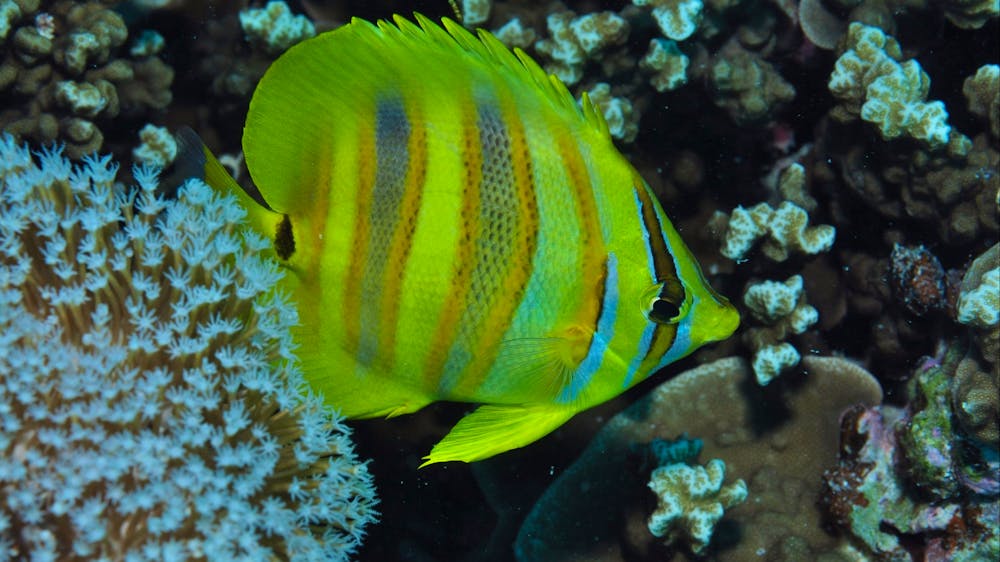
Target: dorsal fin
pixel 322 92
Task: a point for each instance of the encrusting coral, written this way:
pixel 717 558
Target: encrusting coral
pixel 151 407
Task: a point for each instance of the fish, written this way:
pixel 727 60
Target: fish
pixel 457 227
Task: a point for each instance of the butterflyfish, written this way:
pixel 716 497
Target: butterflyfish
pixel 457 227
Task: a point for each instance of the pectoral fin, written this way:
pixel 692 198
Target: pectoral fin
pixel 493 429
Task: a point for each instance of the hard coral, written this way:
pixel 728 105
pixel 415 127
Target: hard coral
pixel 573 40
pixel 151 403
pixel 872 84
pixel 274 27
pixel 982 91
pixel 677 19
pixel 66 73
pixel 784 230
pixel 691 500
pixel 667 64
pixel 746 85
pixel 782 308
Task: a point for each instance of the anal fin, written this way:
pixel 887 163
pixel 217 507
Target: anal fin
pixel 494 429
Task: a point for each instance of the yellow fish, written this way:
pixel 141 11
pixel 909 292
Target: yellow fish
pixel 457 227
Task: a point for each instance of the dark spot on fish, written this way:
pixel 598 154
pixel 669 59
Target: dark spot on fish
pixel 284 241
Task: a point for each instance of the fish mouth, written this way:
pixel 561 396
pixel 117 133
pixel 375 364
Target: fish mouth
pixel 716 320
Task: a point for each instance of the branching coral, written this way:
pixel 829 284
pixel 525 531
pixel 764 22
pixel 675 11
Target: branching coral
pixel 784 230
pixel 274 27
pixel 678 19
pixel 748 87
pixel 982 91
pixel 621 117
pixel 573 40
pixel 151 407
pixel 691 501
pixel 782 308
pixel 667 64
pixel 872 83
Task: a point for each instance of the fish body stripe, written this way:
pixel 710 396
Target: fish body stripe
pixel 460 285
pixel 604 332
pixel 352 306
pixel 392 133
pixel 504 250
pixel 661 267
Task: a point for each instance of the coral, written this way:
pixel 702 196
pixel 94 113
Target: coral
pixel 792 187
pixel 66 77
pixel 917 279
pixel 982 92
pixel 595 509
pixel 927 437
pixel 783 309
pixel 746 85
pixel 869 494
pixel 151 407
pixel 147 44
pixel 274 27
pixel 691 501
pixel 576 39
pixel 157 147
pixel 865 494
pixel 678 19
pixel 515 34
pixel 769 361
pixel 667 64
pixel 821 26
pixel 979 301
pixel 872 84
pixel 621 117
pixel 970 14
pixel 785 229
pixel 975 400
pixel 475 12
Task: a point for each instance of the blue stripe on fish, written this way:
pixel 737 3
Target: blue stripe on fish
pixel 392 134
pixel 599 342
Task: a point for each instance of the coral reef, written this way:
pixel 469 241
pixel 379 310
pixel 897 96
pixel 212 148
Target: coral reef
pixel 913 472
pixel 151 404
pixel 67 75
pixel 779 452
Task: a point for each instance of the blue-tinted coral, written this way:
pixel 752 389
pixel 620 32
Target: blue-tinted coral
pixel 150 404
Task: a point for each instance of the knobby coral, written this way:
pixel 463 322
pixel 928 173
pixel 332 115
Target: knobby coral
pixel 150 403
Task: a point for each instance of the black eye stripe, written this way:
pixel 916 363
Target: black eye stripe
pixel 663 310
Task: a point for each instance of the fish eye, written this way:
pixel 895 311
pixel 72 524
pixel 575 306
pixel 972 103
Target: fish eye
pixel 663 311
pixel 664 303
